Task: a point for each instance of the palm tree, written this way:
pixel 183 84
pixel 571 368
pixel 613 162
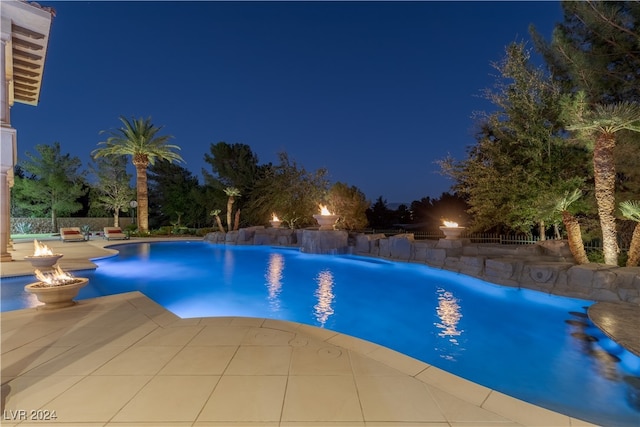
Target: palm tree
pixel 574 235
pixel 631 210
pixel 138 139
pixel 216 213
pixel 232 193
pixel 602 122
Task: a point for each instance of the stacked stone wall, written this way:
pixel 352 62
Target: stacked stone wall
pixel 546 266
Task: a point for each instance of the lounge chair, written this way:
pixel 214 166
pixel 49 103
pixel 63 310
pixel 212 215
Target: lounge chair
pixel 114 233
pixel 71 234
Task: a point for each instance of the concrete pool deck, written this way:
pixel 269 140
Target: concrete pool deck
pixel 123 360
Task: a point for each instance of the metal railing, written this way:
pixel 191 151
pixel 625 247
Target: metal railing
pixel 503 239
pixel 474 237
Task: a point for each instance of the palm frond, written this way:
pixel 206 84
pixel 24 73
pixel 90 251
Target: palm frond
pixel 630 209
pixel 232 192
pixel 138 137
pixel 563 203
pixel 606 118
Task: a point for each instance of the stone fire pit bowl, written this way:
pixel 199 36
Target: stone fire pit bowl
pixel 451 233
pixel 326 222
pixel 43 261
pixel 57 296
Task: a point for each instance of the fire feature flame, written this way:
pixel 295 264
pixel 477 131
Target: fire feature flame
pixel 56 278
pixel 450 224
pixel 40 249
pixel 275 217
pixel 324 211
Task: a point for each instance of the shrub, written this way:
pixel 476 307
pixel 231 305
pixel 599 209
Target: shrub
pixel 595 255
pixel 162 231
pixel 23 227
pixel 131 228
pixel 204 231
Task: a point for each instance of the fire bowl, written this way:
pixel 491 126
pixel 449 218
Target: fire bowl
pixel 275 224
pixel 43 261
pixel 452 233
pixel 326 222
pixel 57 296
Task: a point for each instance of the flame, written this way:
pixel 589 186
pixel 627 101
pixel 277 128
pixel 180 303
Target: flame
pixel 450 224
pixel 275 217
pixel 41 249
pixel 324 211
pixel 55 278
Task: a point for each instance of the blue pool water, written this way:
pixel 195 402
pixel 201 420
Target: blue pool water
pixel 537 347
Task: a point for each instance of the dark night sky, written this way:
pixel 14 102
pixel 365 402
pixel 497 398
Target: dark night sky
pixel 375 92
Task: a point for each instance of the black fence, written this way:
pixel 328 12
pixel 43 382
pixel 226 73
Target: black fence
pixel 502 239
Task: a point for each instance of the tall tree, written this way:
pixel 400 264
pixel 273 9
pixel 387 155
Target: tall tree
pixel 420 211
pixel 21 206
pixel 597 126
pixel 204 202
pixel 379 215
pixel 595 52
pixel 290 191
pixel 350 204
pixel 139 139
pixel 234 165
pixel 520 160
pixel 402 214
pixel 52 184
pixel 112 191
pixel 595 49
pixel 173 195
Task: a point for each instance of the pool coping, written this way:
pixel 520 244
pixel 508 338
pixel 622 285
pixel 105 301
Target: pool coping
pixel 620 321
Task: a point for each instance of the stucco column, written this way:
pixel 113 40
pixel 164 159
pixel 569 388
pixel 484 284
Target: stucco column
pixel 10 182
pixel 7 161
pixel 4 214
pixel 7 146
pixel 5 107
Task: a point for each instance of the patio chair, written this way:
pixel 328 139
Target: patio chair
pixel 114 233
pixel 71 234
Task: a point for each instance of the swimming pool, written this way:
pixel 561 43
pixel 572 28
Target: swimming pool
pixel 537 347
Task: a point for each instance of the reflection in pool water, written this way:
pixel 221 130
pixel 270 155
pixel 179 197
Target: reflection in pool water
pixel 274 280
pixel 449 314
pixel 537 347
pixel 323 308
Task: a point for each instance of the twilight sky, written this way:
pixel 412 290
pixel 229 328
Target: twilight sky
pixel 375 92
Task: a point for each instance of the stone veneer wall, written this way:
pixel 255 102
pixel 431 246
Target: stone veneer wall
pixel 546 266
